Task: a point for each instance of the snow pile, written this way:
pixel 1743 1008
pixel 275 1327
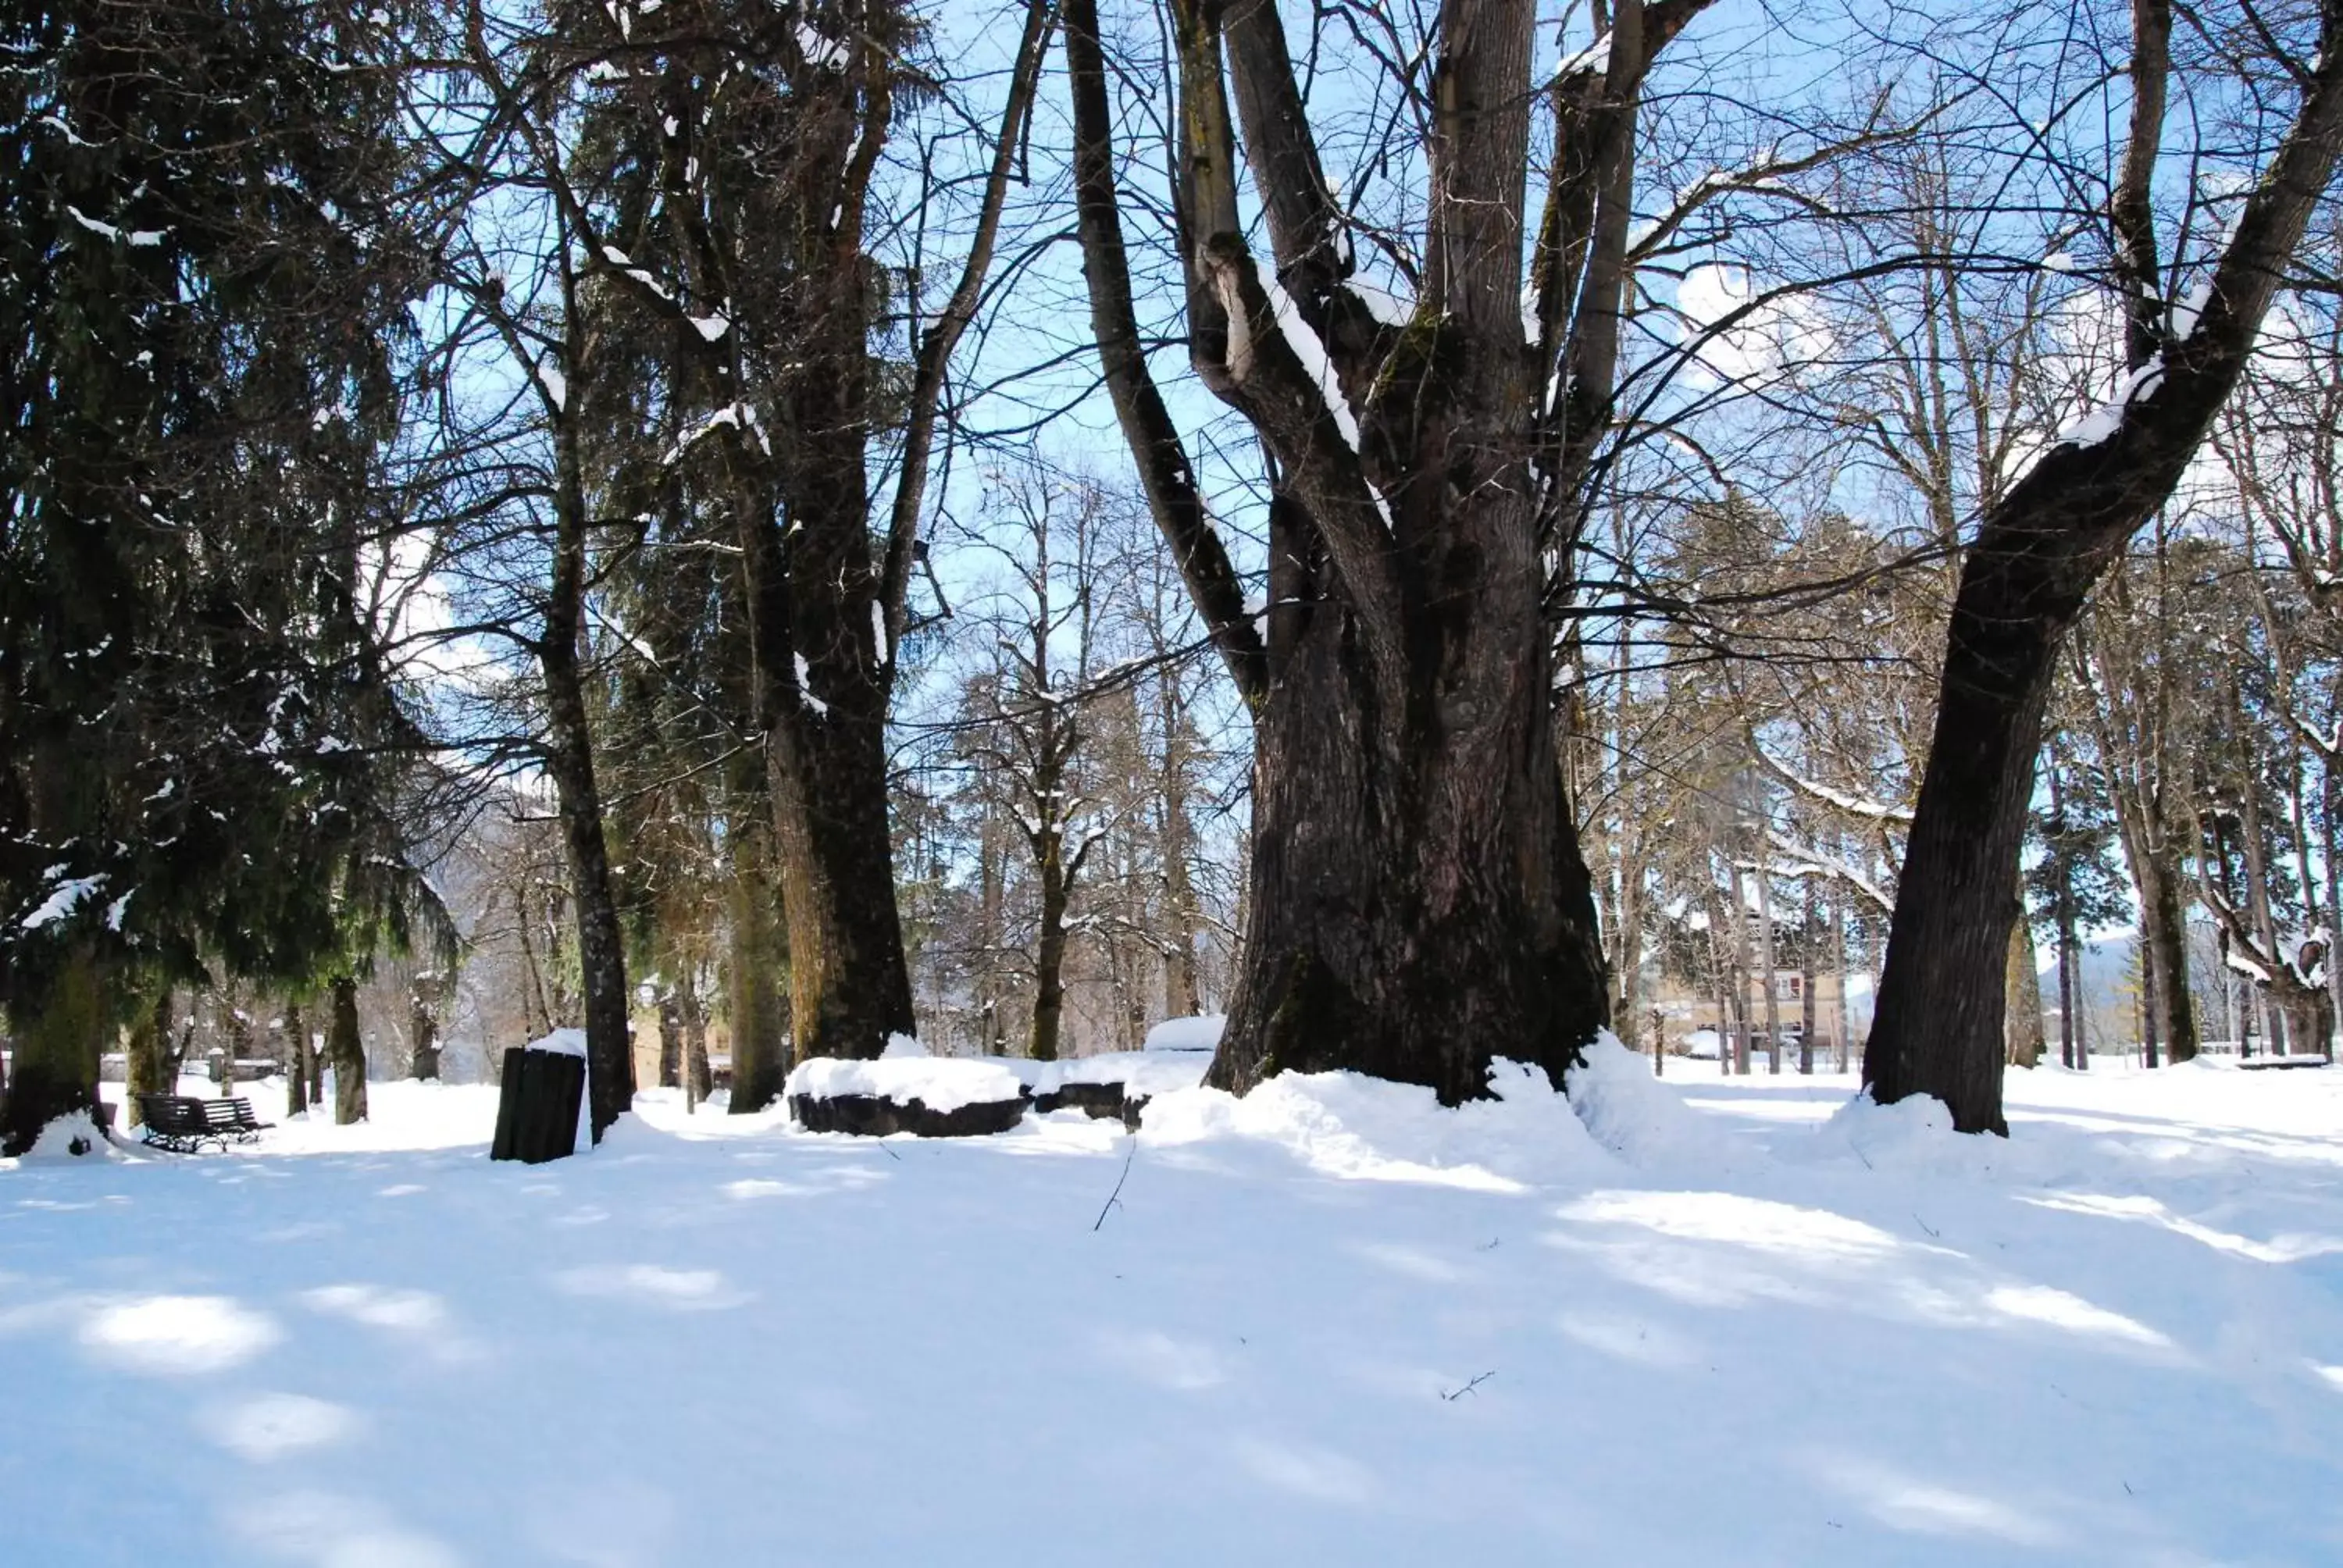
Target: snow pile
pixel 562 1042
pixel 1629 1111
pixel 942 1084
pixel 1913 1136
pixel 1141 1074
pixel 1187 1033
pixel 1355 1128
pixel 73 1137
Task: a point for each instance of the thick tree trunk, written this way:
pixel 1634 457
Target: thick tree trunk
pixel 1938 1029
pixel 147 1068
pixel 758 960
pixel 823 696
pixel 346 1052
pixel 1417 904
pixel 57 1036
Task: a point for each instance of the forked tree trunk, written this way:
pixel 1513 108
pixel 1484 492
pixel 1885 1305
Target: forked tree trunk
pixel 56 1038
pixel 346 1052
pixel 2040 550
pixel 1417 902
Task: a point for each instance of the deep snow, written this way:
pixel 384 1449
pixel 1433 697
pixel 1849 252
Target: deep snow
pixel 1713 1322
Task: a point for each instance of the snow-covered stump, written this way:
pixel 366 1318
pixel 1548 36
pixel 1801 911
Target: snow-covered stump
pixel 927 1095
pixel 907 1091
pixel 1116 1086
pixel 536 1109
pixel 875 1116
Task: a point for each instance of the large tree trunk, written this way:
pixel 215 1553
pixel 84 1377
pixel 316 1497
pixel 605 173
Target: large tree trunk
pixel 2040 550
pixel 57 1034
pixel 1418 904
pixel 824 702
pixel 817 617
pixel 346 1053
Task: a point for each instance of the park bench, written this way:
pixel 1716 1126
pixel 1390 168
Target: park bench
pixel 184 1124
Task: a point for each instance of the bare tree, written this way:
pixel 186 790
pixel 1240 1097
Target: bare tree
pixel 2044 545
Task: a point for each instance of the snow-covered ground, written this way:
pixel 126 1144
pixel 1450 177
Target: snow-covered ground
pixel 1327 1324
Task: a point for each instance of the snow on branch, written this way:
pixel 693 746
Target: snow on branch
pixel 1809 861
pixel 1837 799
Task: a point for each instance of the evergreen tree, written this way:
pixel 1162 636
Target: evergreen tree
pixel 203 281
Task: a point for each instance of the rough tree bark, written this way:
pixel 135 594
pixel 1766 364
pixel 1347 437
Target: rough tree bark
pixel 2040 550
pixel 56 1038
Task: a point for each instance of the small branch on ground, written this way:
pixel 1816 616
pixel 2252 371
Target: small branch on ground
pixel 1113 1199
pixel 1453 1394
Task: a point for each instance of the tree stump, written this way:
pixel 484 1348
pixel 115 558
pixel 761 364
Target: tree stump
pixel 536 1109
pixel 874 1116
